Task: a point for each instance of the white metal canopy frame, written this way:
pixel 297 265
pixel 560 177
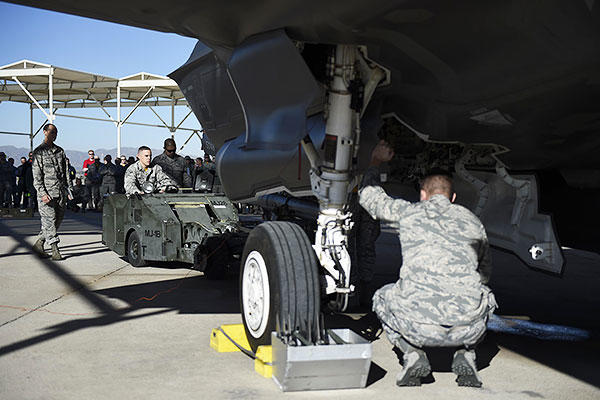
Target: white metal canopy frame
pixel 49 88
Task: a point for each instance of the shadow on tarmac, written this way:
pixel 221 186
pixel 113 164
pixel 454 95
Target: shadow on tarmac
pixel 192 295
pixel 571 299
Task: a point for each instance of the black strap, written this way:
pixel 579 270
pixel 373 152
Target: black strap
pixel 243 350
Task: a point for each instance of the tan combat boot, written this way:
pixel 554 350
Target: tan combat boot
pixel 56 256
pixel 38 248
pixel 463 365
pixel 415 367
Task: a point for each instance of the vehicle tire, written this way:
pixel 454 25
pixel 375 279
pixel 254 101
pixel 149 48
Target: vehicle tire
pixel 134 253
pixel 279 283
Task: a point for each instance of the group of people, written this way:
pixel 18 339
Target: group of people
pixel 16 183
pixel 107 177
pixel 441 298
pixel 52 178
pixel 169 169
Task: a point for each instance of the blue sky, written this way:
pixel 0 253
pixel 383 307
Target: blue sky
pixel 93 46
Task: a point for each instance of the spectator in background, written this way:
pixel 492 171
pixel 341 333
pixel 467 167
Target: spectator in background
pixel 92 182
pixel 71 170
pixel 120 174
pixel 197 166
pixel 21 188
pixel 80 196
pixel 32 198
pixel 87 162
pixel 108 179
pixel 13 202
pixel 130 161
pixel 88 181
pixel 189 165
pixel 173 164
pixel 6 178
pixel 208 163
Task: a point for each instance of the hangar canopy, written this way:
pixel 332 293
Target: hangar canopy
pixel 49 88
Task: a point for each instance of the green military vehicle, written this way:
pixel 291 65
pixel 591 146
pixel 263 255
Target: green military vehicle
pixel 199 229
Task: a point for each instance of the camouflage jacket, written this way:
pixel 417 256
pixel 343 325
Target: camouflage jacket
pixel 445 256
pixel 50 171
pixel 175 167
pixel 136 175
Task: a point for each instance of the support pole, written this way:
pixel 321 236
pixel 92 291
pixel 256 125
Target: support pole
pixel 30 127
pixel 119 121
pixel 14 78
pixel 172 129
pixel 51 95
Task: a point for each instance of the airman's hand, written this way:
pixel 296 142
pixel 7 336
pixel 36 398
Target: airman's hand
pixel 381 153
pixel 46 199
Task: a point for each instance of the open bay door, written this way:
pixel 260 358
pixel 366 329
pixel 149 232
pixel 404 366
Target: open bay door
pixel 508 207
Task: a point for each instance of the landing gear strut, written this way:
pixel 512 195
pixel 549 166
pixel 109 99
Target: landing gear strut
pixel 331 176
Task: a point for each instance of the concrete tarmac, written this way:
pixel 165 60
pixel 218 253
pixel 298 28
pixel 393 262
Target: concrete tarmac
pixel 94 327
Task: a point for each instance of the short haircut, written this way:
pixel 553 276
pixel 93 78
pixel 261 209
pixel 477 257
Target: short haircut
pixel 169 142
pixel 47 128
pixel 142 148
pixel 438 182
pixel 108 157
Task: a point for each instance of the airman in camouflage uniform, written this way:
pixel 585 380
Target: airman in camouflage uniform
pixel 141 172
pixel 53 187
pixel 173 165
pixel 441 298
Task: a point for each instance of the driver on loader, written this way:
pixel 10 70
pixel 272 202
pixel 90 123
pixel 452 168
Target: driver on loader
pixel 141 172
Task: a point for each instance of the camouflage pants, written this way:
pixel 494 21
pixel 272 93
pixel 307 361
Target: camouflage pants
pixel 400 329
pixel 51 215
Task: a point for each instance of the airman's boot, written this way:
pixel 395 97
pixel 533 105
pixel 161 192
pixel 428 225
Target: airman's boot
pixel 463 365
pixel 38 248
pixel 55 253
pixel 416 366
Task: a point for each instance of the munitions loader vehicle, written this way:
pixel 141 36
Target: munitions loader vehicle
pixel 200 229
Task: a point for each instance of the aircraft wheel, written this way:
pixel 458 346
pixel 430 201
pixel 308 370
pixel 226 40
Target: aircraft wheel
pixel 134 250
pixel 279 283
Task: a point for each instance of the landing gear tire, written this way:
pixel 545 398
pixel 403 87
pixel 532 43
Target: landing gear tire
pixel 134 250
pixel 279 283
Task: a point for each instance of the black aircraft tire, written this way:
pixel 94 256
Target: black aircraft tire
pixel 134 250
pixel 280 254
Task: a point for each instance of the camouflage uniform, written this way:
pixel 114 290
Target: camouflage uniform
pixel 441 298
pixel 51 177
pixel 176 168
pixel 136 175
